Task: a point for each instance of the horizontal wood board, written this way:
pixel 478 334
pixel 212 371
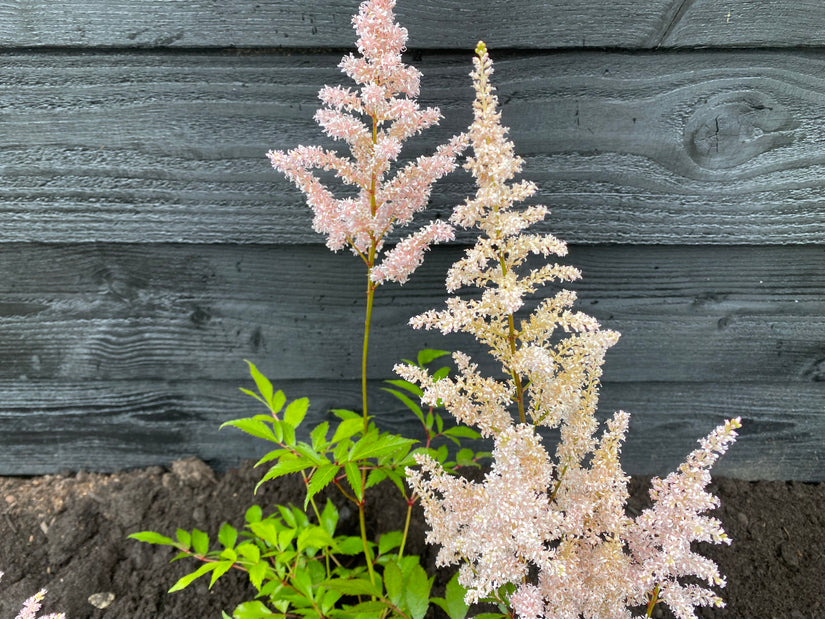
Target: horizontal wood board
pixel 53 425
pixel 142 312
pixel 126 355
pixel 432 24
pixel 695 148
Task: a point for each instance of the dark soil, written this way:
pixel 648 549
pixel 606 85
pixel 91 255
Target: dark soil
pixel 68 533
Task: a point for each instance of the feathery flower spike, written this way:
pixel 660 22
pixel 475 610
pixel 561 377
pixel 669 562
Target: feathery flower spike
pixel 555 532
pixel 374 120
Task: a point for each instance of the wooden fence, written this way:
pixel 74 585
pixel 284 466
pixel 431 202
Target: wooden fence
pixel 148 247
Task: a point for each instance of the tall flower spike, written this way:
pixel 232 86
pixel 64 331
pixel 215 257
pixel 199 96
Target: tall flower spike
pixel 547 538
pixel 374 121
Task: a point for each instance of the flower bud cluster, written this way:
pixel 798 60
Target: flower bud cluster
pixel 548 536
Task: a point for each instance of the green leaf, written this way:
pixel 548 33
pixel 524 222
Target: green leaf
pixel 462 432
pixel 455 607
pixel 415 408
pixel 261 382
pixel 310 454
pixel 394 582
pixel 253 427
pixel 353 586
pixel 350 546
pixel 464 457
pixel 254 514
pixel 347 428
pixel 399 481
pixel 189 578
pixel 428 355
pixel 254 610
pixel 440 373
pixel 319 436
pixel 296 411
pixel 150 537
pixel 376 476
pixel 284 467
pixel 321 478
pixel 314 537
pixel 406 385
pixel 302 581
pixel 200 542
pixel 329 518
pixel 229 554
pixel 289 434
pixel 255 395
pixel 273 455
pixel 249 551
pixel 417 592
pixel 184 538
pixel 328 600
pixel 288 515
pixel 354 479
pixel 374 445
pixel 343 413
pixel 365 610
pixel 389 540
pixel 257 572
pixel 221 568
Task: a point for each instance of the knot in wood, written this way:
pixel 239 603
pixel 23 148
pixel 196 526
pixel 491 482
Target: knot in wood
pixel 732 128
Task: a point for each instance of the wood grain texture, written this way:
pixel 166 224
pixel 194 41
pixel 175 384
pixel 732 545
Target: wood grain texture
pixel 432 24
pixel 747 23
pixel 51 425
pixel 187 312
pixel 326 23
pixel 664 149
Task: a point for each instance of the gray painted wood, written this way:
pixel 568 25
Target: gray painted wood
pixel 127 355
pixel 185 312
pixel 106 426
pixel 433 24
pixel 148 247
pixel 746 23
pixel 704 148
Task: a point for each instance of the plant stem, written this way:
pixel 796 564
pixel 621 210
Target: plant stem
pixel 368 319
pixel 654 598
pixel 364 542
pixel 406 529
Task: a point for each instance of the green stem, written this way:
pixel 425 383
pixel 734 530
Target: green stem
pixel 406 530
pixel 368 319
pixel 364 542
pixel 654 598
pixel 514 374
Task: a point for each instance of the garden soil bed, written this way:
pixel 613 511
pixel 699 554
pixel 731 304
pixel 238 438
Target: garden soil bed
pixel 67 533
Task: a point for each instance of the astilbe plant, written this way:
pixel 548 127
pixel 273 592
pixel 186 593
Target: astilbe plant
pixel 548 535
pixel 374 121
pixel 295 558
pixel 32 606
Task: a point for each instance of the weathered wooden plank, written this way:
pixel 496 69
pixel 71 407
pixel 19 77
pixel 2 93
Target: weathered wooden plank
pixel 682 148
pixel 48 425
pixel 127 312
pixel 745 23
pixel 433 24
pixel 326 23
